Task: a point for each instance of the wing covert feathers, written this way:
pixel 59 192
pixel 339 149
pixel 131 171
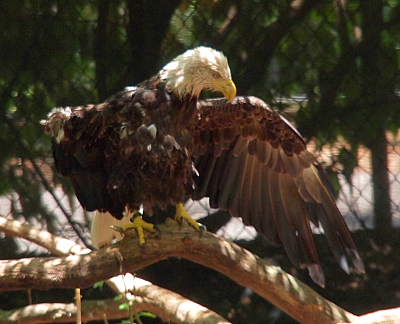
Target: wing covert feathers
pixel 254 163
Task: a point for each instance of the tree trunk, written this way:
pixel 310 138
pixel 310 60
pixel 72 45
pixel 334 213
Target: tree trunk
pixel 148 24
pixel 374 94
pixel 100 48
pixel 381 188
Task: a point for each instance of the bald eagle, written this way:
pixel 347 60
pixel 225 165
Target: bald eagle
pixel 152 145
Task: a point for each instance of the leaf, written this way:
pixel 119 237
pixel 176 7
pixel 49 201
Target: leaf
pixel 118 297
pixel 123 306
pixel 98 284
pixel 125 322
pixel 147 314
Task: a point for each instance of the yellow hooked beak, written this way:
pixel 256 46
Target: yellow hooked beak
pixel 226 87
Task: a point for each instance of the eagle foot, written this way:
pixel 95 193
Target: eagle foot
pixel 181 214
pixel 139 225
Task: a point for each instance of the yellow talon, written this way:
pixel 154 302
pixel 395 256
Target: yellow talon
pixel 182 214
pixel 139 225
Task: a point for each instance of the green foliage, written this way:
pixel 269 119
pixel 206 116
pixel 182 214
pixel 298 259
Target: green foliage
pixel 147 314
pixel 118 297
pixel 125 321
pixel 56 60
pixel 129 305
pixel 123 306
pixel 99 284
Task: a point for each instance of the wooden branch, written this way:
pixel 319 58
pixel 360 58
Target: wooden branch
pixel 387 316
pixel 61 313
pixel 270 282
pixel 56 245
pixel 168 306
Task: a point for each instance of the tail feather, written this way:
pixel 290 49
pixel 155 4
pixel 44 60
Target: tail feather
pixel 101 231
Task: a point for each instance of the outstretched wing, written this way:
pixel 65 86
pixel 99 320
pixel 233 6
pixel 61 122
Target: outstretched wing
pixel 253 163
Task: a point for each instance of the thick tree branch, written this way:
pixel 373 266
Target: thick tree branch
pixel 270 282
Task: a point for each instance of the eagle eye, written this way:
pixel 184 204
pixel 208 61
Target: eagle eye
pixel 216 75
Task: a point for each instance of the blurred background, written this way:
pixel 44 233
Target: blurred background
pixel 330 67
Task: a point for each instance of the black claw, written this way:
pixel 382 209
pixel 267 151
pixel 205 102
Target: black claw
pixel 118 229
pixel 143 246
pixel 158 230
pixel 180 221
pixel 202 229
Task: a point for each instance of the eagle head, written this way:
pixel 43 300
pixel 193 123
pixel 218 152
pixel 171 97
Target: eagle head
pixel 201 68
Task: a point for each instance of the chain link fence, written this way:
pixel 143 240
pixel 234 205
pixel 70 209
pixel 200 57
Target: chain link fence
pixel 330 67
